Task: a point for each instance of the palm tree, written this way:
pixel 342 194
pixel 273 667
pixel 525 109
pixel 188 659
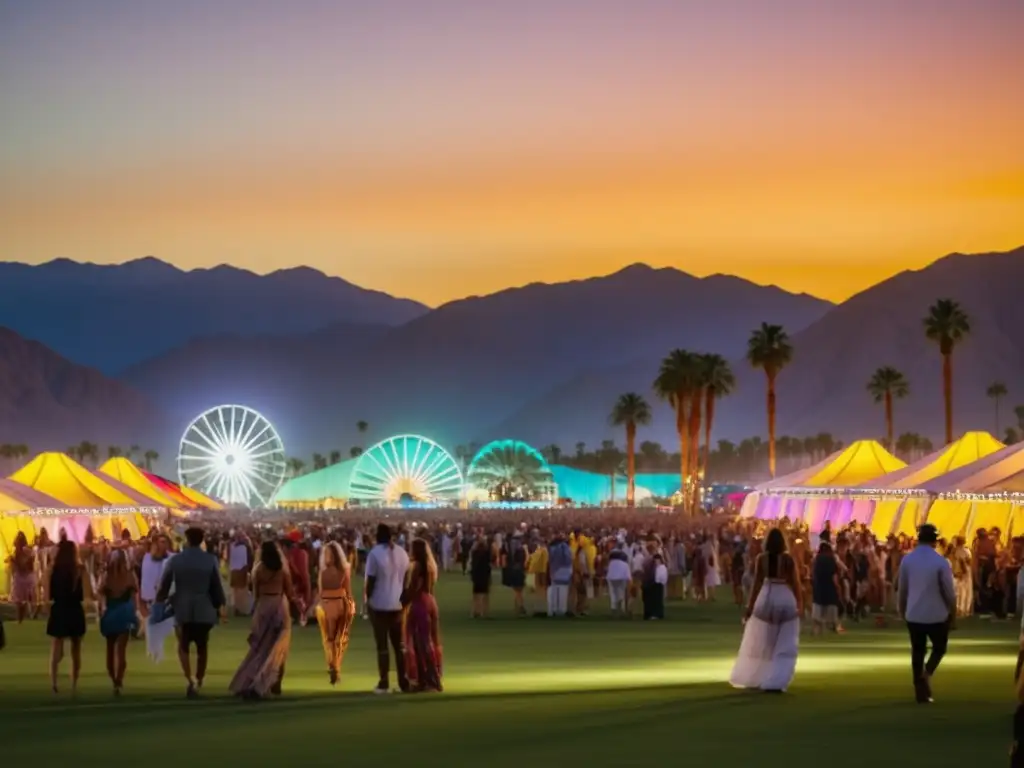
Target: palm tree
pixel 114 452
pixel 947 325
pixel 1019 413
pixel 888 384
pixel 88 451
pixel 674 384
pixel 133 451
pixel 997 391
pixel 362 427
pixel 769 349
pixel 295 466
pixel 551 453
pixel 630 411
pixel 355 451
pixel 319 462
pixel 149 458
pixel 718 382
pixel 335 457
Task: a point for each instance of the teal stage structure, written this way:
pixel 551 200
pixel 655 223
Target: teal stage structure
pixel 334 484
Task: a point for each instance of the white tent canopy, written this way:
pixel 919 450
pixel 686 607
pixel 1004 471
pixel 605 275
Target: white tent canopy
pixel 999 472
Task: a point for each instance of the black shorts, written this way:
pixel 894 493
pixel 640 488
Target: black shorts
pixel 194 634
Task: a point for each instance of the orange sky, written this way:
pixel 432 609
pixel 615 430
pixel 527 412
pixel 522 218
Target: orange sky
pixel 464 152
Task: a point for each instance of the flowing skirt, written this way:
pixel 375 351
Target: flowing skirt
pixel 422 654
pixel 269 641
pixel 159 627
pixel 335 615
pixel 771 638
pixel 23 588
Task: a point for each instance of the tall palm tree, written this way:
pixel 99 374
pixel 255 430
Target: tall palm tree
pixel 114 452
pixel 150 457
pixel 718 382
pixel 947 325
pixel 361 427
pixel 674 384
pixel 888 384
pixel 335 457
pixel 996 391
pixel 1019 413
pixel 355 451
pixel 88 452
pixel 630 411
pixel 770 350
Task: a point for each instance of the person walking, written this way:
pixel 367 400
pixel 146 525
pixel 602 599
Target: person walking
pixel 386 569
pixel 927 602
pixel 198 597
pixel 67 616
pixel 559 576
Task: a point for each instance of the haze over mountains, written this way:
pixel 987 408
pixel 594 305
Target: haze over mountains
pixel 111 316
pixel 542 363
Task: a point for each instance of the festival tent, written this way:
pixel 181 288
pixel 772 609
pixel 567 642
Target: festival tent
pixel 99 502
pixel 903 513
pixel 987 493
pixel 169 489
pixel 68 481
pixel 328 487
pixel 126 473
pixel 194 497
pixel 30 497
pixel 810 494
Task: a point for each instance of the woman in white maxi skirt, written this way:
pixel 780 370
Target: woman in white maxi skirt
pixel 771 637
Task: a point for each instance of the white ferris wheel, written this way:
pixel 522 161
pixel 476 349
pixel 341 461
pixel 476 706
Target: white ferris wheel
pixel 232 453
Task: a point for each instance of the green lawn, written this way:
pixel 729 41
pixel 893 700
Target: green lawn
pixel 530 692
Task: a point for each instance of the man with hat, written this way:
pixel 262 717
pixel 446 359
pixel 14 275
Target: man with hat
pixel 927 602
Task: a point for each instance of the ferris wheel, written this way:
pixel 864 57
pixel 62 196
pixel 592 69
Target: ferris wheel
pixel 406 468
pixel 510 471
pixel 232 453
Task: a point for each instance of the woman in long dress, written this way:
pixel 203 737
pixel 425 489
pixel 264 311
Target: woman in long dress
pixel 262 669
pixel 423 652
pixel 119 617
pixel 771 637
pixel 337 609
pixel 713 577
pixel 67 616
pixel 23 575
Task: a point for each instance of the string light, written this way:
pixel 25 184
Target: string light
pixel 87 511
pixel 834 493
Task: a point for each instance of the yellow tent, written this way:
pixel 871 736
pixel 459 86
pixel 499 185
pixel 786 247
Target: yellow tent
pixel 968 449
pixel 69 482
pixel 9 504
pixel 849 467
pixel 127 473
pixel 858 463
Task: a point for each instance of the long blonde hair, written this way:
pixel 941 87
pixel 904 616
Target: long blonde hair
pixel 340 560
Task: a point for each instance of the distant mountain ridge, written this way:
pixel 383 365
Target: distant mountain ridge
pixel 542 362
pixel 462 367
pixel 113 316
pixel 825 387
pixel 48 402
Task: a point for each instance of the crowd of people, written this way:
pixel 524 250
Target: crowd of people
pixel 556 563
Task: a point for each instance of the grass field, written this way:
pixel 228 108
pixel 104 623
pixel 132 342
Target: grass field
pixel 529 692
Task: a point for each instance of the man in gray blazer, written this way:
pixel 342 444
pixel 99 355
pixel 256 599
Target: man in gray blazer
pixel 196 601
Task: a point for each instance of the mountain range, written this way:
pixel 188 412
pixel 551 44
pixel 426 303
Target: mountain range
pixel 541 363
pixel 111 316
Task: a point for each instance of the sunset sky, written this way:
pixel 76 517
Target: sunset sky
pixel 439 148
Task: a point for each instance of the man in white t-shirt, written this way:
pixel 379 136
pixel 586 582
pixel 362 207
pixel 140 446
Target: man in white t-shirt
pixel 386 568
